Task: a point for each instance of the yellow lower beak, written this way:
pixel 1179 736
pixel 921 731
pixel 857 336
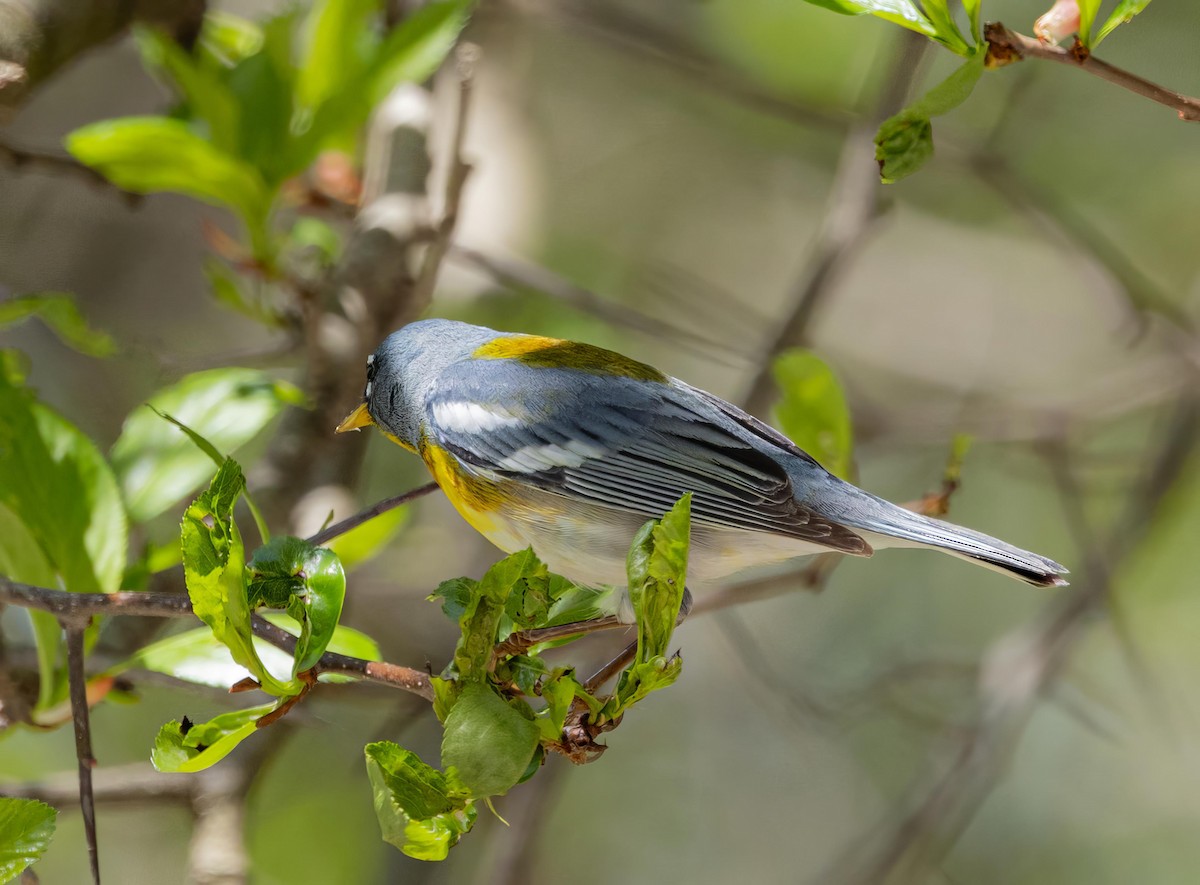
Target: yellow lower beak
pixel 356 420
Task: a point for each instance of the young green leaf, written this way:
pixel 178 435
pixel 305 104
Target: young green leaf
pixel 26 828
pixel 225 39
pixel 264 85
pixel 415 49
pixel 972 8
pixel 156 462
pixel 226 288
pixel 151 154
pixel 904 142
pixel 905 13
pixel 488 740
pixel 61 315
pixel 213 570
pixel 200 87
pixel 182 746
pixel 337 38
pixel 306 580
pixel 56 482
pixel 812 410
pixel 657 567
pixel 1087 19
pixel 484 613
pixel 560 689
pixel 22 560
pixel 197 656
pixel 1124 13
pixel 421 811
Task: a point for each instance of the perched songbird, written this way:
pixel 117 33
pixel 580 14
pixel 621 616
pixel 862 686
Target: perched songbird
pixel 570 448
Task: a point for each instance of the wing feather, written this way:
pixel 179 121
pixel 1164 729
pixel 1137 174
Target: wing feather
pixel 632 445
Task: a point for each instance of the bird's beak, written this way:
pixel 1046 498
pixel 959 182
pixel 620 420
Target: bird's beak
pixel 356 420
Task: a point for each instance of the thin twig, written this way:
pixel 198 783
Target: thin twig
pixel 1018 669
pixel 521 275
pixel 1005 47
pixel 466 57
pixel 353 522
pixel 71 607
pixel 77 679
pixel 61 164
pixel 851 211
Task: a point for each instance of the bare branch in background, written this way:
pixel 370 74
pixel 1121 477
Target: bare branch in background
pixel 37 37
pixel 74 628
pixel 640 36
pixel 353 522
pixel 1018 669
pixel 22 159
pixel 852 208
pixel 466 58
pixel 521 275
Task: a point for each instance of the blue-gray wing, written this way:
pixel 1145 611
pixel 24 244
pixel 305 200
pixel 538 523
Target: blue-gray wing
pixel 632 445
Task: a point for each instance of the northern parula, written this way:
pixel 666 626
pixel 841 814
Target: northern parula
pixel 570 448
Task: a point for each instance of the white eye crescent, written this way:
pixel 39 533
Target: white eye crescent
pixel 367 392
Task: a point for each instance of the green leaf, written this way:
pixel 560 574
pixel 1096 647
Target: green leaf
pixel 415 49
pixel 1087 18
pixel 225 39
pixel 812 410
pixel 213 570
pixel 307 581
pixel 56 482
pixel 198 747
pixel 946 29
pixel 61 315
pixel 21 559
pixel 364 542
pixel 337 38
pixel 905 13
pixel 972 8
pixel 200 87
pixel 484 612
pixel 151 154
pixel 26 828
pixel 488 741
pixel 560 689
pixel 657 568
pixel 227 290
pixel 421 811
pixel 904 142
pixel 156 462
pixel 1124 13
pixel 263 84
pixel 197 656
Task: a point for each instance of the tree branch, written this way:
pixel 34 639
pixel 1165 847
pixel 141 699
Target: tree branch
pixel 80 712
pixel 1005 47
pixel 71 607
pixel 37 37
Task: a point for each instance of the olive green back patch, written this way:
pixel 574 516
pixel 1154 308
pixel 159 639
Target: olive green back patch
pixel 555 353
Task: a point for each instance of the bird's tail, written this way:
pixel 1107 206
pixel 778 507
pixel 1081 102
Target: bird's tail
pixel 886 525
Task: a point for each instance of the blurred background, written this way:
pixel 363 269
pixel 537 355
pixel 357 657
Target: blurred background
pixel 703 168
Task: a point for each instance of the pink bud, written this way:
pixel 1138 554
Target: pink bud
pixel 1061 21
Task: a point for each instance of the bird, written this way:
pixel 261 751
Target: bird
pixel 570 448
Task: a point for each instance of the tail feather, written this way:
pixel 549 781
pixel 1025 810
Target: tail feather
pixel 886 524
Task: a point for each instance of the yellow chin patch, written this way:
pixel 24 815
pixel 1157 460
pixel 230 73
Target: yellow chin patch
pixel 356 420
